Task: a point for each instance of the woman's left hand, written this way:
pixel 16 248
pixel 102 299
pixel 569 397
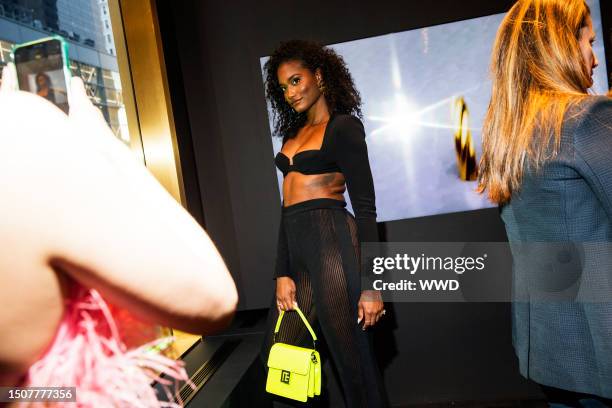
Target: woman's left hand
pixel 370 308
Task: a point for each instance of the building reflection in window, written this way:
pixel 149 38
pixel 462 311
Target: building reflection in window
pixel 86 25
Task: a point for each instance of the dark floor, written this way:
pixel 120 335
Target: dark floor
pixel 481 404
pixel 232 375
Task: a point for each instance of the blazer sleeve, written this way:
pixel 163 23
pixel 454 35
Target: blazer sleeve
pixel 349 149
pixel 593 150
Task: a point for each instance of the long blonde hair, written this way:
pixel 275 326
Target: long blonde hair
pixel 538 71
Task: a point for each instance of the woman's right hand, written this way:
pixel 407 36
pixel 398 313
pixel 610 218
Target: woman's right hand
pixel 285 293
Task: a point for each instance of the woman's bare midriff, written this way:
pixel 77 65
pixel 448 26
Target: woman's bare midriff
pixel 298 187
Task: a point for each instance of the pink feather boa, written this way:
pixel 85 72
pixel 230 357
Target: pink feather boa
pixel 88 353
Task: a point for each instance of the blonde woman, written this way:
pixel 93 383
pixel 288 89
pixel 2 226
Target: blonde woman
pixel 547 161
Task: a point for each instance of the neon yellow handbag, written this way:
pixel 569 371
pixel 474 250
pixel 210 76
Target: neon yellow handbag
pixel 294 372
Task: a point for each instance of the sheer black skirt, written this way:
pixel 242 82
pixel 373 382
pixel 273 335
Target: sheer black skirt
pixel 323 257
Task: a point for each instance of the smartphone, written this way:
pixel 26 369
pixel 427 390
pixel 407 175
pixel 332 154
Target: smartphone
pixel 43 69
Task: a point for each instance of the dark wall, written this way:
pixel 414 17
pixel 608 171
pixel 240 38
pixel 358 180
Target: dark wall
pixel 606 16
pixel 430 352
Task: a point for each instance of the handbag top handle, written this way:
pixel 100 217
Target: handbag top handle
pixel 297 309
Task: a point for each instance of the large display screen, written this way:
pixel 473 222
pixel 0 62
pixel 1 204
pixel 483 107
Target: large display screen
pixel 425 93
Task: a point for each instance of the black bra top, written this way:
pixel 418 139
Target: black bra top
pixel 343 150
pixel 306 162
pixel 318 161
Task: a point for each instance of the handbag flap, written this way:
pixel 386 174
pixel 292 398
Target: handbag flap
pixel 290 358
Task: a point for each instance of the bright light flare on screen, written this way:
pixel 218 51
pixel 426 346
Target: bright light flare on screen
pixel 405 118
pixel 402 121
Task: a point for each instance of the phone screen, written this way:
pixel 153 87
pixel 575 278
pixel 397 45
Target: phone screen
pixel 40 70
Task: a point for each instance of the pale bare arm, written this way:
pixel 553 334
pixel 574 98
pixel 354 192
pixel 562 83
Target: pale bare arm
pixel 78 201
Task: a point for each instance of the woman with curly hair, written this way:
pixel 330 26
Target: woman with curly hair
pixel 316 110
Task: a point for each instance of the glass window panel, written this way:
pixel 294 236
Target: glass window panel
pixel 86 26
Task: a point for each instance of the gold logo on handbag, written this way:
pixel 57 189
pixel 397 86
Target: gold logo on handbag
pixel 294 372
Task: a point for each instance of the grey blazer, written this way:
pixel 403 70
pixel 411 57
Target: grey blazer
pixel 559 226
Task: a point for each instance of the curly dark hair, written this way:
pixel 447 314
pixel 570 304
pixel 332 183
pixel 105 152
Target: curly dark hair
pixel 340 92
